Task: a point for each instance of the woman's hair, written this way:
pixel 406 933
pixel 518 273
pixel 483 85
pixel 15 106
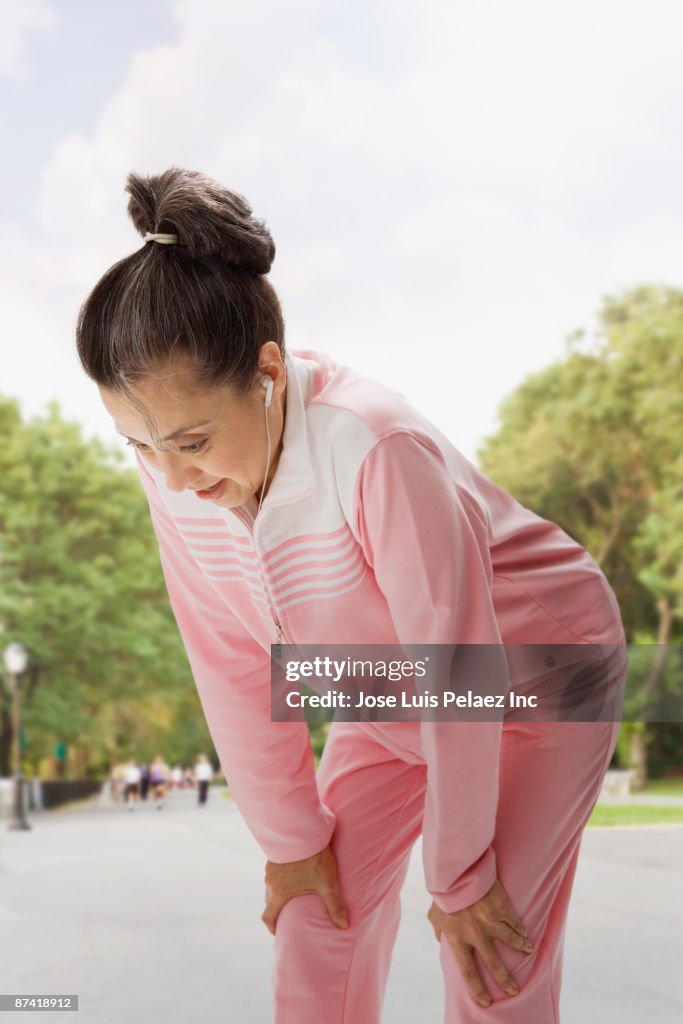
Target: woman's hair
pixel 206 298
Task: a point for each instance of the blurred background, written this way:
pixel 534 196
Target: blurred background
pixel 477 202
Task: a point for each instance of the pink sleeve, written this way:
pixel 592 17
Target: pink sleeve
pixel 430 557
pixel 268 765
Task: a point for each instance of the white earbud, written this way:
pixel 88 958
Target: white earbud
pixel 267 383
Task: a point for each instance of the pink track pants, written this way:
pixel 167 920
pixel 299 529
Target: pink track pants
pixel 550 778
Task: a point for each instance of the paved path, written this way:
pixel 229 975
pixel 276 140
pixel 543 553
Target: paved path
pixel 152 917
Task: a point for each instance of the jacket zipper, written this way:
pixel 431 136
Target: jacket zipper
pixel 248 519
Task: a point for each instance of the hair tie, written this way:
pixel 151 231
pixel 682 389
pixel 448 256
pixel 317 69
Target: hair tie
pixel 164 239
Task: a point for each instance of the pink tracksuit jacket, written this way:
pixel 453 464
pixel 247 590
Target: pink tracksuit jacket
pixel 375 529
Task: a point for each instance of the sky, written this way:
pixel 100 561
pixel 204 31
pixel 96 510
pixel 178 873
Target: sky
pixel 453 187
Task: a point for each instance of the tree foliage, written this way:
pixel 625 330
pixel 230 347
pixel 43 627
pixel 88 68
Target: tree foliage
pixel 594 442
pixel 81 588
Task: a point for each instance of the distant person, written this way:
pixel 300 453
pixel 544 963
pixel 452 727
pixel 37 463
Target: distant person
pixel 159 781
pixel 132 784
pixel 118 782
pixel 203 773
pixel 177 776
pixel 188 778
pixel 144 781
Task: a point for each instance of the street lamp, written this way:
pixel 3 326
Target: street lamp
pixel 16 660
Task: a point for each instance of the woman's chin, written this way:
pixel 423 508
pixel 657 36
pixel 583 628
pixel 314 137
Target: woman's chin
pixel 232 497
pixel 227 501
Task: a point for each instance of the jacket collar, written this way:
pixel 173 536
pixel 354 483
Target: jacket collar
pixel 294 475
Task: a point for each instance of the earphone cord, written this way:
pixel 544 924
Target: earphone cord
pixel 267 463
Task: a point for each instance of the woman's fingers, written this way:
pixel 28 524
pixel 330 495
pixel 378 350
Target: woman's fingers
pixel 496 967
pixel 270 914
pixel 316 874
pixel 506 913
pixel 274 904
pixel 518 925
pixel 504 921
pixel 332 900
pixel 433 917
pixel 335 907
pixel 327 886
pixel 464 955
pixel 513 938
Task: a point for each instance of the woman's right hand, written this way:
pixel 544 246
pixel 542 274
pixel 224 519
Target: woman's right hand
pixel 313 874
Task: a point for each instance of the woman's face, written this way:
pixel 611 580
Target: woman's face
pixel 212 435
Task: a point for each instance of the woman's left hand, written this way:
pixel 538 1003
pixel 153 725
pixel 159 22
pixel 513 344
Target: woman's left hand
pixel 474 928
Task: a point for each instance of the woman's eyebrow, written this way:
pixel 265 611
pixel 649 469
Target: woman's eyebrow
pixel 186 430
pixel 176 433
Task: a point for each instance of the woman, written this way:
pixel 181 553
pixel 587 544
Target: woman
pixel 158 780
pixel 203 773
pixel 132 784
pixel 296 502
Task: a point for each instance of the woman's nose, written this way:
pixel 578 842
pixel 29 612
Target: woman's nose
pixel 176 471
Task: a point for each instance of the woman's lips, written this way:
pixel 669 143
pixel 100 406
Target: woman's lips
pixel 214 492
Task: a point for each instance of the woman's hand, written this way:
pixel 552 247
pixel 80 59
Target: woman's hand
pixel 474 928
pixel 314 874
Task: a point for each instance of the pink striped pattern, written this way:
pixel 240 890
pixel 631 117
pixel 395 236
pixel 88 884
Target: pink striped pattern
pixel 315 566
pixel 311 566
pixel 222 556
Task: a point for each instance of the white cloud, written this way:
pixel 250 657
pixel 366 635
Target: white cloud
pixel 447 204
pixel 18 19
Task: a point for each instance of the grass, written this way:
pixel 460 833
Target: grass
pixel 634 814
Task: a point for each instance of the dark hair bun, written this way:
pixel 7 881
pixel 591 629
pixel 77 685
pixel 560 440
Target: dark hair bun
pixel 208 219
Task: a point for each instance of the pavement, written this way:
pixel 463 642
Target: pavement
pixel 153 916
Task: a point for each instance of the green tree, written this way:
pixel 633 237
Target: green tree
pixel 593 442
pixel 81 587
